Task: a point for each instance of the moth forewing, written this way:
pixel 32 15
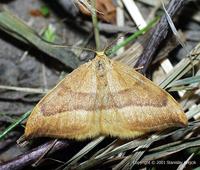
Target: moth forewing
pixel 104 97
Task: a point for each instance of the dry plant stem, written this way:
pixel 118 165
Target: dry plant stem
pixel 95 24
pixel 24 89
pixel 159 33
pixel 33 155
pixel 45 153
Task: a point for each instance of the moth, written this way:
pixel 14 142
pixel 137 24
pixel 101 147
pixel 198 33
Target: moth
pixel 104 97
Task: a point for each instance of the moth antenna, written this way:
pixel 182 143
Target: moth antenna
pixel 70 46
pixel 112 43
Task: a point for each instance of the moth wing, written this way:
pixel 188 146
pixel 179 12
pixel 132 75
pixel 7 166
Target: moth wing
pixel 138 105
pixel 67 111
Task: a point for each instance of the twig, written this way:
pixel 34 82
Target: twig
pixel 24 89
pixel 31 156
pixel 45 153
pixel 159 33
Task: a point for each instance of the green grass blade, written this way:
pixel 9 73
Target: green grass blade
pixel 132 37
pixel 15 27
pixel 13 125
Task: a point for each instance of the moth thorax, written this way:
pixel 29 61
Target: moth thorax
pixel 100 67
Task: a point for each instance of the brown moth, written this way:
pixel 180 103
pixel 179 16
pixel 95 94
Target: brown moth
pixel 104 97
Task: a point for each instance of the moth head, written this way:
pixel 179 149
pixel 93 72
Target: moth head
pixel 100 53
